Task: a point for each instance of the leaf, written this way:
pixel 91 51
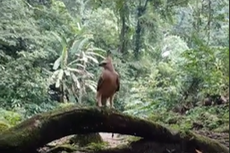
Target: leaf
pixel 92 86
pixel 75 70
pixel 96 54
pixel 75 79
pixel 60 74
pixel 78 45
pixel 93 59
pixel 82 43
pixel 90 75
pixel 80 65
pixel 67 73
pixel 57 84
pixel 57 63
pixel 60 38
pixel 64 57
pixel 74 61
pixel 55 74
pixel 84 58
pixel 94 49
pixel 73 48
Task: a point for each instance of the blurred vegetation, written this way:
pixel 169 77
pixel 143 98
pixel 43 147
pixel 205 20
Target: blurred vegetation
pixel 169 54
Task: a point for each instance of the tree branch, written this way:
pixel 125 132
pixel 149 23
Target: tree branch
pixel 44 128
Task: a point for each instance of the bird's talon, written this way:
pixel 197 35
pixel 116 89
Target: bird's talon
pixel 99 105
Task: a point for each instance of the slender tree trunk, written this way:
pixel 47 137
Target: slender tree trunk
pixel 138 40
pixel 62 97
pixel 124 28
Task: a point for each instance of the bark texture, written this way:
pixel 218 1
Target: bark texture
pixel 44 128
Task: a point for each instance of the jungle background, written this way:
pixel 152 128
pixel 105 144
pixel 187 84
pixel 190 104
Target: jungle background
pixel 172 57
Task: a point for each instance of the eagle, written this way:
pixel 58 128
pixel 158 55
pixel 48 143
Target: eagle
pixel 108 83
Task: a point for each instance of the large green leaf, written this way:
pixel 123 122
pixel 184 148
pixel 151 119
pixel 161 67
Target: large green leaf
pixel 92 58
pixel 92 51
pixel 60 38
pixel 75 79
pixel 60 74
pixel 74 48
pixel 75 70
pixel 57 63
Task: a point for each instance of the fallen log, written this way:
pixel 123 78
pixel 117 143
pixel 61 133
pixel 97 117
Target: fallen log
pixel 44 128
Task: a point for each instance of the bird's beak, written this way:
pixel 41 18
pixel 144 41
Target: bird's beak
pixel 102 63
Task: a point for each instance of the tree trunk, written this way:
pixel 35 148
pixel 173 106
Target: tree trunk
pixel 138 40
pixel 124 28
pixel 41 129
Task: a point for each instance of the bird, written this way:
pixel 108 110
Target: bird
pixel 108 83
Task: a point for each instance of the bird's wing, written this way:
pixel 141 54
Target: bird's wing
pixel 118 83
pixel 100 82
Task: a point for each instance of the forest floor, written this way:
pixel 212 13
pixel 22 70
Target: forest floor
pixel 115 141
pixel 223 138
pixel 106 137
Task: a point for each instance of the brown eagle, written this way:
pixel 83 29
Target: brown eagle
pixel 108 83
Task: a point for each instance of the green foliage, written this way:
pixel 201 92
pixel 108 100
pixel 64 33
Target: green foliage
pixel 18 28
pixel 31 109
pixel 181 71
pixel 71 72
pixel 211 62
pixel 183 54
pixel 10 118
pixel 20 48
pixel 102 23
pixel 208 118
pixel 3 126
pixel 21 83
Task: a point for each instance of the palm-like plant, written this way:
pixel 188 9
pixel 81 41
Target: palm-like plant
pixel 70 69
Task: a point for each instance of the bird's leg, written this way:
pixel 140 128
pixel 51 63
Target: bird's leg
pixel 111 101
pixel 106 104
pixel 99 100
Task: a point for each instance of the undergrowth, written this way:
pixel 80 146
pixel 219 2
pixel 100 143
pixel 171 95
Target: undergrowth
pixel 212 118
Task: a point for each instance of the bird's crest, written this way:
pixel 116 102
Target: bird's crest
pixel 107 62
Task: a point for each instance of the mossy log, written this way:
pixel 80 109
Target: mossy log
pixel 147 146
pixel 44 128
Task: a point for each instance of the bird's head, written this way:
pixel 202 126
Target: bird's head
pixel 107 63
pixel 102 64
